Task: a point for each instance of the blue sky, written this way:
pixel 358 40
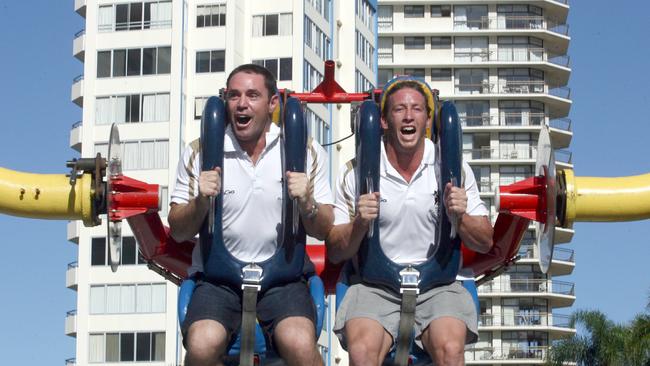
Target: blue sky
pixel 608 52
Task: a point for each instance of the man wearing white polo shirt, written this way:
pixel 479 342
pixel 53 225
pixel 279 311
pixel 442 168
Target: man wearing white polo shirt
pixel 445 317
pixel 252 210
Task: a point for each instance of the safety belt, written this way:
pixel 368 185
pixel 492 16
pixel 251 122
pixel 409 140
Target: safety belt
pixel 252 278
pixel 409 278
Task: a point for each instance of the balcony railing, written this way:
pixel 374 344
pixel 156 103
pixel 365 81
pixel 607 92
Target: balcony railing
pixel 80 33
pixel 508 153
pixel 528 285
pixel 504 119
pixel 506 353
pixel 72 265
pixel 561 124
pixel 75 125
pixel 563 156
pixel 71 362
pixel 512 54
pixel 513 22
pixel 564 255
pixel 78 78
pixel 514 87
pixel 385 56
pixel 525 318
pixel 385 24
pixel 71 313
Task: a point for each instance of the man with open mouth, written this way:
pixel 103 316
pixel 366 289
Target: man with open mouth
pixel 252 214
pixel 406 206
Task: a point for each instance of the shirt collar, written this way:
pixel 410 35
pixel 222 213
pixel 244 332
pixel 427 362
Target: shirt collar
pixel 428 158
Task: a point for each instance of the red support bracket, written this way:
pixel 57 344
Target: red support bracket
pixel 129 197
pixel 526 198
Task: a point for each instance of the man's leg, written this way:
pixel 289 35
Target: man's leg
pixel 206 343
pixel 368 342
pixel 444 340
pixel 295 340
pixel 214 312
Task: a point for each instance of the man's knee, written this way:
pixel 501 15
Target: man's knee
pixel 367 341
pixel 445 340
pixel 206 341
pixel 295 333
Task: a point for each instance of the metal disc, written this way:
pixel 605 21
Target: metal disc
pixel 113 169
pixel 545 166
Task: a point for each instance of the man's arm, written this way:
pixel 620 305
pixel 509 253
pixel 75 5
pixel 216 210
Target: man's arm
pixel 317 218
pixel 344 240
pixel 475 231
pixel 185 219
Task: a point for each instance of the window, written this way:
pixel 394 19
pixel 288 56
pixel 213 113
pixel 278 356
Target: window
pixel 440 74
pixel 414 43
pixel 362 83
pixel 126 347
pixel 135 16
pixel 416 73
pixel 413 11
pixel 472 81
pixel 130 252
pixel 365 50
pixel 210 61
pixel 272 25
pixel 440 42
pixel 438 11
pixel 318 127
pixel 211 15
pixel 470 17
pixel 311 76
pixel 365 12
pixel 141 298
pixel 280 68
pixel 471 49
pixel 133 62
pixel 316 39
pixel 385 17
pixel 384 76
pixel 322 7
pixel 151 154
pixel 132 108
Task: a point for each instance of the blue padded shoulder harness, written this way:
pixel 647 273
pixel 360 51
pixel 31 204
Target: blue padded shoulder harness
pixel 375 266
pixel 286 265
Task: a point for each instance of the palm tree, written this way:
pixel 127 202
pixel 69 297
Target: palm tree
pixel 604 343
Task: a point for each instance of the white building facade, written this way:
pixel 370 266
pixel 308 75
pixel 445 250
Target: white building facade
pixel 149 66
pixel 505 65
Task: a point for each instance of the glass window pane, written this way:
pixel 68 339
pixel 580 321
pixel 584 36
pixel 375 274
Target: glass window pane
pixel 98 252
pixel 103 64
pixel 143 347
pixel 96 348
pixel 97 299
pixel 158 347
pixel 413 11
pixel 112 299
pixel 164 60
pixel 127 343
pixel 217 61
pixel 121 17
pixel 128 250
pixel 272 66
pixel 119 63
pixel 135 108
pixel 136 16
pixel 133 62
pixel 285 69
pixel 271 25
pixel 149 61
pixel 112 347
pixel 159 298
pixel 143 299
pixel 203 61
pixel 127 297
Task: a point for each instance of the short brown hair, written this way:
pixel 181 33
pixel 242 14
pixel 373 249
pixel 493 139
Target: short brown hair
pixel 269 79
pixel 401 85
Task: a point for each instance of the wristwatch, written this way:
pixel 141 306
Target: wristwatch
pixel 314 210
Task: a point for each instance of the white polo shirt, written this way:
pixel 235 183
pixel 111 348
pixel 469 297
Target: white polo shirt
pixel 408 211
pixel 252 194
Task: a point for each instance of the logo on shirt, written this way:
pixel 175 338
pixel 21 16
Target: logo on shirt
pixel 228 191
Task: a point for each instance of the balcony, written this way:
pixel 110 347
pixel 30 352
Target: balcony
pixel 501 153
pixel 564 159
pixel 506 353
pixel 71 362
pixel 513 22
pixel 72 230
pixel 75 136
pixel 71 276
pixel 559 292
pixel 512 55
pixel 71 323
pixel 80 7
pixel 77 93
pixel 79 45
pixel 561 132
pixel 526 319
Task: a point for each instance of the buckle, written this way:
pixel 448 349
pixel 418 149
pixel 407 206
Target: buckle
pixel 252 276
pixel 409 280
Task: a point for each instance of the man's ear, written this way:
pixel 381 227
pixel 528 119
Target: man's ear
pixel 384 122
pixel 273 101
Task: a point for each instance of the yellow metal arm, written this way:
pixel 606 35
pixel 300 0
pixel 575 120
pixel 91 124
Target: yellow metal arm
pixel 607 199
pixel 46 196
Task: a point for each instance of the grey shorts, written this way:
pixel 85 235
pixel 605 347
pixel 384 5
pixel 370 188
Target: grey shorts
pixel 363 301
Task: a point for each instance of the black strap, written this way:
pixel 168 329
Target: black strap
pixel 249 318
pixel 406 322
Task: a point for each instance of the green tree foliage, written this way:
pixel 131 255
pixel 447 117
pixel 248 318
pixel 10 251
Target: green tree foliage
pixel 604 343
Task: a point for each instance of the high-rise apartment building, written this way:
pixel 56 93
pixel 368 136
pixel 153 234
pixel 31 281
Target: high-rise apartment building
pixel 505 65
pixel 149 66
